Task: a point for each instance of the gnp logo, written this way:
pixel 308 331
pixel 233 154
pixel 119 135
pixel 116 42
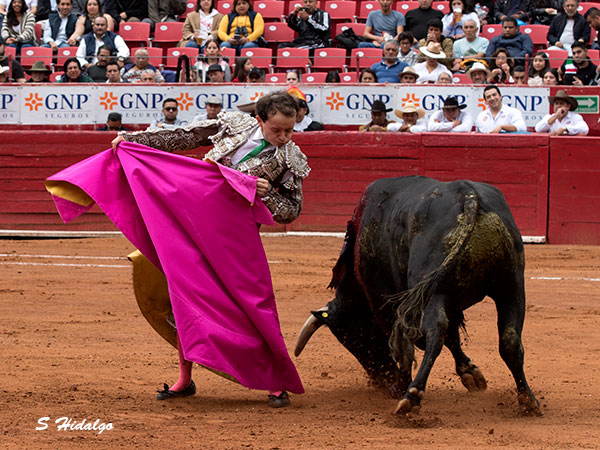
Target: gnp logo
pixel 334 101
pixel 185 101
pixel 410 97
pixel 108 100
pixel 57 102
pixel 256 96
pixel 132 101
pixel 354 102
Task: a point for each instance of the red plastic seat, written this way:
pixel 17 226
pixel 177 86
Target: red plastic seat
pixel 291 5
pixel 349 77
pixel 366 57
pixel 167 34
pixel 556 57
pixel 404 7
pixel 537 33
pixel 315 77
pixel 39 31
pixel 261 57
pixel 11 52
pixel 270 10
pixel 278 32
pixel 461 78
pixel 594 55
pixel 136 34
pixel 359 28
pixel 63 54
pixel 340 10
pixel 189 7
pixel 275 77
pixel 365 8
pixel 29 55
pixel 490 31
pixel 173 54
pixel 444 7
pixel 54 76
pixel 292 58
pixel 228 53
pixel 155 54
pixel 225 6
pixel 329 58
pixel 584 6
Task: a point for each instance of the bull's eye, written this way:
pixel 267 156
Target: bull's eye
pixel 324 314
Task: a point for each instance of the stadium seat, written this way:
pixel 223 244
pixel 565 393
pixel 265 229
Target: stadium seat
pixel 173 53
pixel 489 31
pixel 556 57
pixel 584 6
pixel 315 77
pixel 29 55
pixel 275 77
pixel 276 32
pixel 167 34
pixel 228 53
pixel 365 8
pixel 461 78
pixel 225 6
pixel 270 10
pixel 349 77
pixel 359 28
pixel 538 34
pixel 292 58
pixel 594 55
pixel 155 54
pixel 444 7
pixel 189 7
pixel 404 7
pixel 291 5
pixel 54 75
pixel 39 31
pixel 261 57
pixel 11 52
pixel 365 57
pixel 340 11
pixel 136 34
pixel 329 58
pixel 63 54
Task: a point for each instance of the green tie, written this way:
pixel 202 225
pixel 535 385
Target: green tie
pixel 255 152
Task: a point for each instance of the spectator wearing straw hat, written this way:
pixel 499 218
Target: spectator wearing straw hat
pixel 39 73
pixel 434 34
pixel 408 76
pixel 451 118
pixel 412 120
pixel 379 120
pixel 431 68
pixel 389 68
pixel 564 121
pixel 478 73
pixel 497 117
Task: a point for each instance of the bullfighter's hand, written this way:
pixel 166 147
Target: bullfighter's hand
pixel 116 141
pixel 262 186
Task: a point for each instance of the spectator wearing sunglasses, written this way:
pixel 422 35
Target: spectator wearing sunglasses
pixel 169 118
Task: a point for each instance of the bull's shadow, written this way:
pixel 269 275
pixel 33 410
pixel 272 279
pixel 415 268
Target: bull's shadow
pixel 417 253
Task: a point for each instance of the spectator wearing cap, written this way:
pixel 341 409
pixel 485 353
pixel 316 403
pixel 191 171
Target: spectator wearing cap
pixel 434 34
pixel 417 20
pixel 256 75
pixel 430 70
pixel 15 70
pixel 132 72
pixel 214 105
pixel 389 67
pixel 564 121
pixel 471 45
pixel 303 121
pixel 519 45
pixel 412 120
pixel 113 123
pixel 39 73
pixel 478 73
pixel 169 118
pixel 379 120
pixel 383 24
pixel 497 118
pixel 408 76
pixel 215 73
pixel 451 118
pixel 568 27
pixel 59 30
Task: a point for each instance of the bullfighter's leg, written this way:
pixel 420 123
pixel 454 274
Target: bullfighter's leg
pixel 470 375
pixel 434 326
pixel 184 385
pixel 510 304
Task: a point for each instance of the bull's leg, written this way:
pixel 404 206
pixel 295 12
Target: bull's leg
pixel 510 304
pixel 434 327
pixel 470 375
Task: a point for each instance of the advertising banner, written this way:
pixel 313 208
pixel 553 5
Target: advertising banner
pixel 56 104
pixel 9 105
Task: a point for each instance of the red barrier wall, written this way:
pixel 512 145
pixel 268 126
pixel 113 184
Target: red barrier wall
pixel 343 164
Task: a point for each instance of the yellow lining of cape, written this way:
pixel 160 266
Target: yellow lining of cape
pixel 68 191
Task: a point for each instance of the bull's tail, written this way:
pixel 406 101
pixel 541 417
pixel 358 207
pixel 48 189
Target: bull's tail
pixel 412 303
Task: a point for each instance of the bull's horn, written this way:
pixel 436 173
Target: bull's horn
pixel 311 325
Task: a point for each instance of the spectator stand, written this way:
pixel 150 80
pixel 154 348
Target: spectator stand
pixel 404 7
pixel 167 34
pixel 261 57
pixel 361 58
pixel 271 10
pixel 326 59
pixel 538 35
pixel 556 57
pixel 135 33
pixel 278 32
pixel 29 55
pixel 365 8
pixel 292 58
pixel 173 54
pixel 155 55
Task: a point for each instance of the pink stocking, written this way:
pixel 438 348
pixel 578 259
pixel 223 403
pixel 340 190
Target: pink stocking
pixel 185 371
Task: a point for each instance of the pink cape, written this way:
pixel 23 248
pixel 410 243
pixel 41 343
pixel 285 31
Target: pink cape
pixel 198 222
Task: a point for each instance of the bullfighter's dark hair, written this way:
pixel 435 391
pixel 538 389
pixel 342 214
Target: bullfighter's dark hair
pixel 276 102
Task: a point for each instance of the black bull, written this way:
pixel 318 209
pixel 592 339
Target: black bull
pixel 418 252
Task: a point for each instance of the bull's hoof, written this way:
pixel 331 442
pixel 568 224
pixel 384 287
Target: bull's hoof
pixel 529 405
pixel 472 378
pixel 411 403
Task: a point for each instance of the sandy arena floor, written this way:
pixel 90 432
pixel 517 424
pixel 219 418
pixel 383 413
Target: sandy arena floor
pixel 75 345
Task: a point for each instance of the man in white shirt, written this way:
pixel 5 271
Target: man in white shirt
pixel 431 68
pixel 451 118
pixel 59 30
pixel 412 120
pixel 91 42
pixel 498 117
pixel 564 121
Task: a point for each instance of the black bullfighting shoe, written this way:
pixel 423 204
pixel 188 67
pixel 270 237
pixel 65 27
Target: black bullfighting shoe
pixel 166 393
pixel 279 401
